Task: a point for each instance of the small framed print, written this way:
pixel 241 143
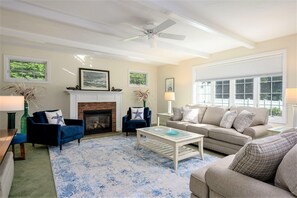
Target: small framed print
pixel 93 79
pixel 169 85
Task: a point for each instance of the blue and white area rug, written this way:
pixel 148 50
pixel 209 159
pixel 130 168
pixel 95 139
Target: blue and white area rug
pixel 114 167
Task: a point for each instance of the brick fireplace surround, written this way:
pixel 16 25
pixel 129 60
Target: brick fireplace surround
pixel 97 99
pixel 84 106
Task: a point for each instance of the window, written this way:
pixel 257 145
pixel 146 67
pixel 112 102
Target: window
pixel 271 94
pixel 138 78
pixel 205 92
pixel 25 69
pixel 222 93
pixel 262 91
pixel 244 92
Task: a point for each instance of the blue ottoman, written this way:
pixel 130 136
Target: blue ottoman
pixel 19 139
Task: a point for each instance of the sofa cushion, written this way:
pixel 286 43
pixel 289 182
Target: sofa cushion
pixel 243 120
pixel 228 119
pixel 202 129
pixel 55 117
pixel 260 158
pixel 177 114
pixel 213 115
pixel 261 114
pixel 286 175
pixel 177 124
pixel 40 116
pixel 229 135
pixel 190 115
pixel 202 109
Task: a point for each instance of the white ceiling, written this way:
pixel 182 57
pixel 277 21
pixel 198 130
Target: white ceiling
pixel 100 26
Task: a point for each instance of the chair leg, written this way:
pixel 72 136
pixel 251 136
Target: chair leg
pixel 60 147
pixel 126 133
pixel 78 141
pixel 33 144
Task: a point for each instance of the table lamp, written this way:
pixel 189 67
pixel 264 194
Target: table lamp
pixel 291 98
pixel 11 104
pixel 169 96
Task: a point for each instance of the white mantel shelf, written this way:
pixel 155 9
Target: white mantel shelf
pixel 77 96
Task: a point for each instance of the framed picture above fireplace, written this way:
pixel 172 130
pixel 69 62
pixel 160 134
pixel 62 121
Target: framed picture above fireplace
pixel 93 79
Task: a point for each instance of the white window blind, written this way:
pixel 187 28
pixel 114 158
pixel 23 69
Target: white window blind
pixel 265 64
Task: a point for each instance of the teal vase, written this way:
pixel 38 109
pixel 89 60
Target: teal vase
pixel 144 103
pixel 24 118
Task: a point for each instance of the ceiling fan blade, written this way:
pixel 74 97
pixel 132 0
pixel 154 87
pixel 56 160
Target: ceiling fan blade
pixel 133 38
pixel 166 24
pixel 134 27
pixel 172 36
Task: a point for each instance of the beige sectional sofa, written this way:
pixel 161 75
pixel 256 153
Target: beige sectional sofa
pixel 224 140
pixel 275 154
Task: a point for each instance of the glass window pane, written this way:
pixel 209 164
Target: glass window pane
pixel 226 96
pixel 219 89
pixel 249 96
pixel 239 81
pixel 277 87
pixel 239 96
pixel 219 96
pixel 249 80
pixel 265 79
pixel 226 89
pixel 249 88
pixel 265 96
pixel 219 82
pixel 276 97
pixel 240 88
pixel 226 82
pixel 265 88
pixel 277 78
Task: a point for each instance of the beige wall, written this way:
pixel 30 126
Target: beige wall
pixel 55 97
pixel 183 72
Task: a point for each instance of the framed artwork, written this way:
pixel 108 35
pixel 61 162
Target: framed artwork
pixel 137 79
pixel 169 85
pixel 93 79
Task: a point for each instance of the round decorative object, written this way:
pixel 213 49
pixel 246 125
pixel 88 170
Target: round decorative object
pixel 172 132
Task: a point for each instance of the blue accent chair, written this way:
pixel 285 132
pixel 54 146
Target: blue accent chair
pixel 129 125
pixel 39 131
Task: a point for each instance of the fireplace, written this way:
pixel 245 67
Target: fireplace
pixel 97 121
pixel 98 117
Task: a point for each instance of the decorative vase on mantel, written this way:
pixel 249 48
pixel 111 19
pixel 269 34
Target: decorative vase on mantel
pixel 24 118
pixel 144 103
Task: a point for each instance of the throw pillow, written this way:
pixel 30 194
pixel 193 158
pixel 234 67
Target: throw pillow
pixel 243 120
pixel 55 117
pixel 285 177
pixel 260 158
pixel 177 114
pixel 190 115
pixel 137 113
pixel 228 119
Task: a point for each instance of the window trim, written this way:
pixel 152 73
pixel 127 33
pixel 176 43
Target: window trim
pixel 8 58
pixel 141 72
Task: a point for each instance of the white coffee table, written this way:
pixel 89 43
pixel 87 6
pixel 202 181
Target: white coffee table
pixel 171 143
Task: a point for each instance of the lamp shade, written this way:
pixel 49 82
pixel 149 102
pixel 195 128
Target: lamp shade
pixel 170 96
pixel 291 95
pixel 11 103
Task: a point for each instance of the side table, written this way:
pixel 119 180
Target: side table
pixel 165 115
pixel 278 129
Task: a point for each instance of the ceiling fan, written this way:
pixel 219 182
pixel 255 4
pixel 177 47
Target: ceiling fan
pixel 152 31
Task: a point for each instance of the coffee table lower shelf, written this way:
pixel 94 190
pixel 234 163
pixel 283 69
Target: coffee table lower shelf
pixel 166 150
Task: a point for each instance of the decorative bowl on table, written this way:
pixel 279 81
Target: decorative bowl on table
pixel 172 132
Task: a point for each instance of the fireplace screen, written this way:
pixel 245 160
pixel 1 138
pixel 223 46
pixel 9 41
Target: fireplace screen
pixel 97 121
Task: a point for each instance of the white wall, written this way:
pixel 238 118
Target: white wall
pixel 60 61
pixel 183 72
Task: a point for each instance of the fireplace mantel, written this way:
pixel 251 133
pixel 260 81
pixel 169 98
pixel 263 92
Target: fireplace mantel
pixel 77 96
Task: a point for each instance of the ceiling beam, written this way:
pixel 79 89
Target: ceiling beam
pixel 173 11
pixel 25 7
pixel 44 39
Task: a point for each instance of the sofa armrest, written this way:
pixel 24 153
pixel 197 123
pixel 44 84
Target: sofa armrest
pixel 124 120
pixel 257 131
pixel 229 183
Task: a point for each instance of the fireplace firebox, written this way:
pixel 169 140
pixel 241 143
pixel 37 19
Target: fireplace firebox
pixel 97 121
